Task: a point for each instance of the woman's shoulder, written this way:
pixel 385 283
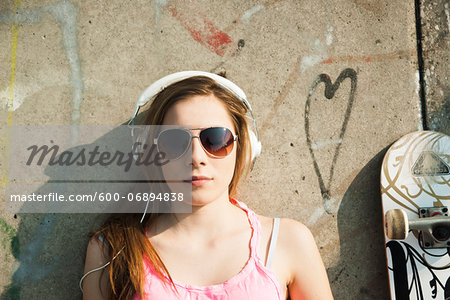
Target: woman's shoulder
pixel 297 260
pixel 96 250
pixel 293 235
pixel 289 228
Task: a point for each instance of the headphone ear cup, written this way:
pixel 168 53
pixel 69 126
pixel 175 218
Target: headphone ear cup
pixel 255 144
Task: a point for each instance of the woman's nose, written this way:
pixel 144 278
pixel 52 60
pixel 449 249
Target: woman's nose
pixel 199 155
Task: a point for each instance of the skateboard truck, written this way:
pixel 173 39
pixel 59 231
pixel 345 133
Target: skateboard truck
pixel 433 226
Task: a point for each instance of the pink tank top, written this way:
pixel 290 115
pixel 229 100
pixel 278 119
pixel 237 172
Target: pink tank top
pixel 254 281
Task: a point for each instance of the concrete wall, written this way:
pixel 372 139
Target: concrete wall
pixel 332 85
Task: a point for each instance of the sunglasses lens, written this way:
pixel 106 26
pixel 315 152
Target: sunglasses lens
pixel 218 141
pixel 173 142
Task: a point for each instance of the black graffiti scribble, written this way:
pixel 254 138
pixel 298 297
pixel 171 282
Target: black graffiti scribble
pixel 330 90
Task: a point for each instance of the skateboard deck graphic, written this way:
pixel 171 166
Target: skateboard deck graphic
pixel 415 191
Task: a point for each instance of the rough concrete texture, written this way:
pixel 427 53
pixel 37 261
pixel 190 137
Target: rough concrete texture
pixel 435 21
pixel 332 85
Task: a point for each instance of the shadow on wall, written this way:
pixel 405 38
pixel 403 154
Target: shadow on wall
pixel 50 247
pixel 50 250
pixel 362 265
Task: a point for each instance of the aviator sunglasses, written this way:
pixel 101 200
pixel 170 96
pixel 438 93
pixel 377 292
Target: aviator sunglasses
pixel 216 141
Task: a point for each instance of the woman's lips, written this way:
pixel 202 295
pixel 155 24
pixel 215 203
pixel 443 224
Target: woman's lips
pixel 199 180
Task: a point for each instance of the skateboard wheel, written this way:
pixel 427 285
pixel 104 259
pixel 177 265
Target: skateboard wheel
pixel 396 224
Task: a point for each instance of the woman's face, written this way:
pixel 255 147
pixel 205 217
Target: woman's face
pixel 204 112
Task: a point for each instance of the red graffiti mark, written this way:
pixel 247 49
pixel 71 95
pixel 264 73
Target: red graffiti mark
pixel 203 30
pixel 328 61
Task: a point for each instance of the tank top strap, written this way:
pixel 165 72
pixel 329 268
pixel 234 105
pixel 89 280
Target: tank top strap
pixel 255 225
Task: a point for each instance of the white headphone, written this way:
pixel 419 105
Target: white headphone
pixel 162 83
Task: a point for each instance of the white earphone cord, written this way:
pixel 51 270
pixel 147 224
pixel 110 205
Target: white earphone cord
pixel 105 265
pixel 97 269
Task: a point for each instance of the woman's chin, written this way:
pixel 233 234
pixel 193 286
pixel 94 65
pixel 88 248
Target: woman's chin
pixel 196 202
pixel 199 199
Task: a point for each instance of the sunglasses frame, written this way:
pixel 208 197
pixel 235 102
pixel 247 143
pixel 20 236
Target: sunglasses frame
pixel 189 130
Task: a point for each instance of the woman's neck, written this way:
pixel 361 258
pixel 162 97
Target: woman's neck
pixel 210 219
pixel 206 222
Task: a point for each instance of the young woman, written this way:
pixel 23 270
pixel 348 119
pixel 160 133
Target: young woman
pixel 222 250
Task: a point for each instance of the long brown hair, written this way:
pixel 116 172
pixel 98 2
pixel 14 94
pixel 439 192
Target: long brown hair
pixel 124 232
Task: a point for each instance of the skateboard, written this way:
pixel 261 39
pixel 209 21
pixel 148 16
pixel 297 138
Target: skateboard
pixel 415 192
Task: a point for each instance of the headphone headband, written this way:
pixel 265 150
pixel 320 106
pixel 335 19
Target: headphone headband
pixel 164 82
